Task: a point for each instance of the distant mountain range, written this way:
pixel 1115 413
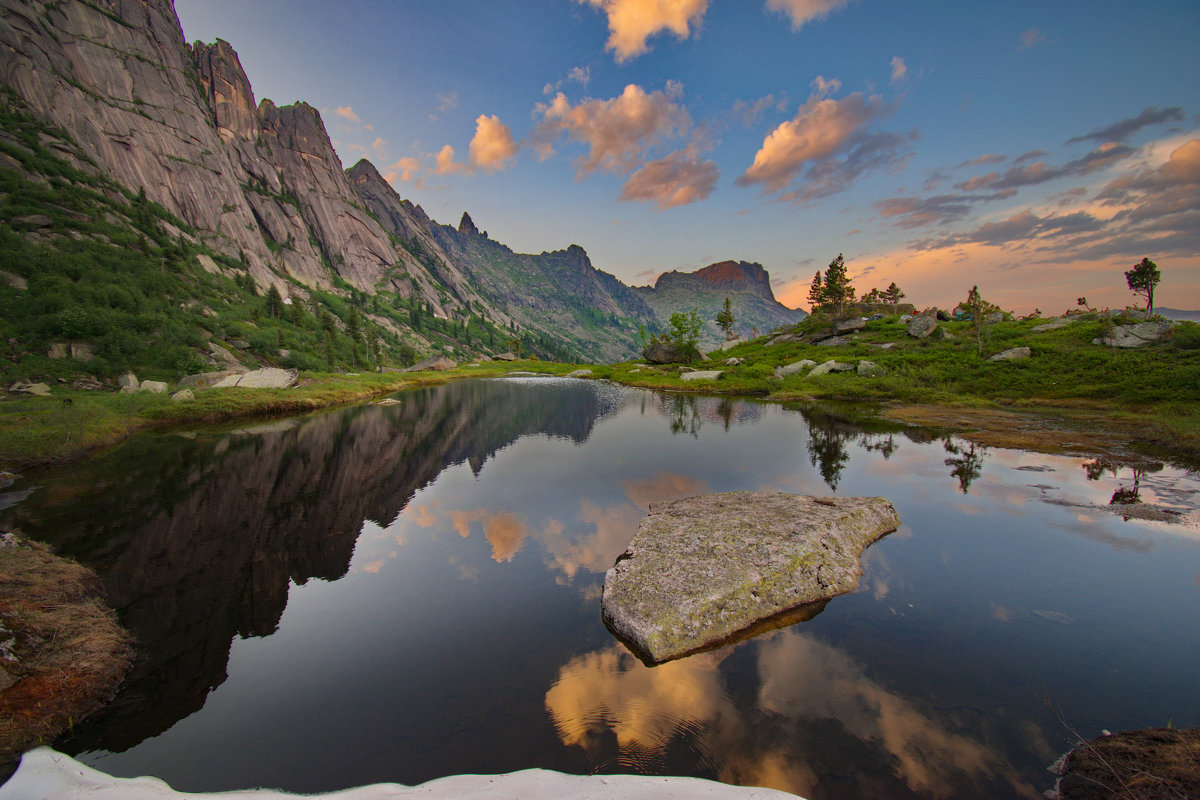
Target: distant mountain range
pixel 1175 313
pixel 229 198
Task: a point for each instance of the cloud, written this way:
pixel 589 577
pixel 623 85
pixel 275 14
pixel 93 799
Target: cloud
pixel 492 146
pixel 447 102
pixel 749 112
pixel 1022 227
pixel 1102 157
pixel 379 145
pixel 664 486
pixel 347 113
pixel 1031 37
pixel 580 75
pixel 821 130
pixel 986 158
pixel 505 533
pixel 899 69
pixel 446 165
pixel 1032 154
pixel 916 212
pixel 609 530
pixel 617 132
pixel 676 180
pixel 1123 129
pixel 804 11
pixel 632 22
pixel 823 87
pixel 404 169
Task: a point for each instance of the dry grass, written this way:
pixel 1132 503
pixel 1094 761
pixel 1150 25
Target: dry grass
pixel 68 653
pixel 1151 764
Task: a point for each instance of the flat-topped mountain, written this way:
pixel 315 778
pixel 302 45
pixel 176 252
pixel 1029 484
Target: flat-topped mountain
pixel 746 284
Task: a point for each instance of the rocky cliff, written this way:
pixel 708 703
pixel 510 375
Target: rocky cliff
pixel 747 285
pixel 247 187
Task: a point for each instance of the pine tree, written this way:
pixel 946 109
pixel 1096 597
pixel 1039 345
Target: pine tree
pixel 837 290
pixel 979 309
pixel 1142 279
pixel 816 292
pixel 725 320
pixel 892 293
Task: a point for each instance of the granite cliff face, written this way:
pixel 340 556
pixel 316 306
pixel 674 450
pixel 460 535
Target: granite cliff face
pixel 747 285
pixel 262 185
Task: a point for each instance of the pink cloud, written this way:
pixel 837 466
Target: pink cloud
pixel 632 22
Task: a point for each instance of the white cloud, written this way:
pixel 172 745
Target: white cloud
pixel 1031 37
pixel 446 165
pixel 804 11
pixel 676 180
pixel 899 69
pixel 632 22
pixel 823 87
pixel 492 146
pixel 347 113
pixel 820 129
pixel 617 132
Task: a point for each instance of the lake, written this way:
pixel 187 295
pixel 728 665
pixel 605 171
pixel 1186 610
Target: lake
pixel 405 592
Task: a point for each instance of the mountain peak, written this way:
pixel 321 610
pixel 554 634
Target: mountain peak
pixel 727 276
pixel 466 225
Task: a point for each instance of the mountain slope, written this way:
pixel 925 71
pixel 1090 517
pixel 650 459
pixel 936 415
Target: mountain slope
pixel 747 285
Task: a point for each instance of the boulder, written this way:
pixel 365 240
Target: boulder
pixel 1012 354
pixel 504 357
pixel 869 369
pixel 128 382
pixel 155 387
pixel 83 351
pixel 39 389
pixel 663 353
pixel 795 368
pixel 267 378
pixel 32 221
pixel 834 341
pixel 830 366
pixel 849 325
pixel 729 343
pixel 994 317
pixel 701 375
pixel 433 364
pixel 204 380
pixel 782 338
pixel 922 326
pixel 222 355
pixel 1139 334
pixel 579 373
pixel 58 350
pixel 702 570
pixel 13 280
pixel 734 361
pixel 183 396
pixel 87 384
pixel 1052 325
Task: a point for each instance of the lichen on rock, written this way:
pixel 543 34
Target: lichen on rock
pixel 704 570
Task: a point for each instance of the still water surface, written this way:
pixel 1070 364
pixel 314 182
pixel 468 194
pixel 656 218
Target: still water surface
pixel 401 593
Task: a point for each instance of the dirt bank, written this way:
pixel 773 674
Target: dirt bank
pixel 62 653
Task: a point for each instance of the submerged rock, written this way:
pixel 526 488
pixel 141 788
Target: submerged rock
pixel 703 570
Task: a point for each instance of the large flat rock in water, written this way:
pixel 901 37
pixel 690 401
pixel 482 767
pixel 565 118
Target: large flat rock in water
pixel 700 571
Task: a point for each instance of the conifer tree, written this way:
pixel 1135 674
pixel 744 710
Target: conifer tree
pixel 725 319
pixel 837 290
pixel 816 292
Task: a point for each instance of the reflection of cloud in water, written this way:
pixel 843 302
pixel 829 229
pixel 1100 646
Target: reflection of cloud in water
pixel 571 549
pixel 811 696
pixel 506 533
pixel 422 515
pixel 1001 613
pixel 461 520
pixel 662 487
pixel 374 567
pixel 805 678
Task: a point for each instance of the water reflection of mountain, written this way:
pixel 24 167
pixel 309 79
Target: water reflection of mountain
pixel 197 539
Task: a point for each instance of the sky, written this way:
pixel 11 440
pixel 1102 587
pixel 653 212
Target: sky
pixel 1037 150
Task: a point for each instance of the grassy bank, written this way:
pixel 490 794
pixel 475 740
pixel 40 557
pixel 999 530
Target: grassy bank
pixel 1149 395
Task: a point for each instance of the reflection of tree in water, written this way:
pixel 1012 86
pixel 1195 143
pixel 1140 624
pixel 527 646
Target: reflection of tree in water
pixel 968 464
pixel 829 433
pixel 684 412
pixel 1123 495
pixel 827 452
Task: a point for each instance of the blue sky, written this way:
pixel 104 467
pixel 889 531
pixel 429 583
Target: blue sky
pixel 1035 149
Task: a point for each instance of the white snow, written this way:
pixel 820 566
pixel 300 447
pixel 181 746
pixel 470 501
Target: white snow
pixel 45 774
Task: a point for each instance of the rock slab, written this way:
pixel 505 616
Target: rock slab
pixel 699 571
